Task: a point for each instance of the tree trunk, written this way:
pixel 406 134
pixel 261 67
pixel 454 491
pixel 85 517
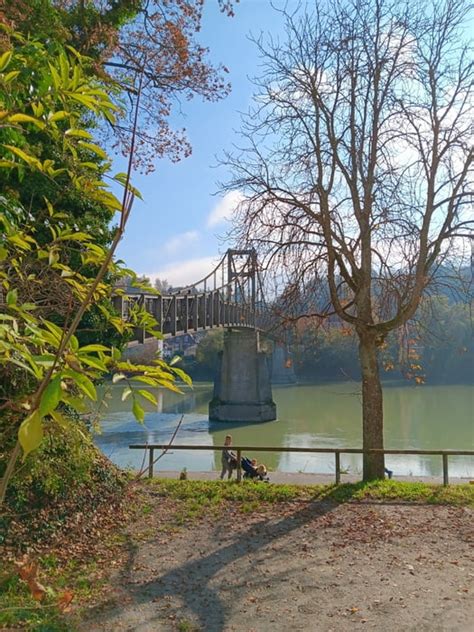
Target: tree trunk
pixel 372 408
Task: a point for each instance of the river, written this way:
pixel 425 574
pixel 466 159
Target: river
pixel 324 415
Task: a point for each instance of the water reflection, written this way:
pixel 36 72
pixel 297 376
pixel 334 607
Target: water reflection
pixel 309 416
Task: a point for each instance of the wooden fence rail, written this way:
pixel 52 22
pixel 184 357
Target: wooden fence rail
pixel 151 447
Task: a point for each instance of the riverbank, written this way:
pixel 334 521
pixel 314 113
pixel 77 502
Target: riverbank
pixel 308 416
pixel 218 556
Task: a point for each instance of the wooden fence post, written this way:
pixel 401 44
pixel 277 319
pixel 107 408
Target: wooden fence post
pixel 445 470
pixel 338 466
pixel 150 462
pixel 239 466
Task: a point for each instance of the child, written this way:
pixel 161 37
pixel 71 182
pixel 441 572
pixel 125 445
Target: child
pixel 228 458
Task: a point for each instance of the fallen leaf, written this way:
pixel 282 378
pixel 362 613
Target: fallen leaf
pixel 64 602
pixel 27 570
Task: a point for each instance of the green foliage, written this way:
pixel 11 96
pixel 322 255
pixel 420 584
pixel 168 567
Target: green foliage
pixel 207 352
pixel 66 468
pixel 48 265
pixel 437 347
pixel 445 335
pixel 66 476
pixel 328 353
pixel 125 37
pixel 18 608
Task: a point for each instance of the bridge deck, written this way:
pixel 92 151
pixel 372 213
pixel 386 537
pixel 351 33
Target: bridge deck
pixel 179 314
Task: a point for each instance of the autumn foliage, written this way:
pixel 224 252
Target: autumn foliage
pixel 126 37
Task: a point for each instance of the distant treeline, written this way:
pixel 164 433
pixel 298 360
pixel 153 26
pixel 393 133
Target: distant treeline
pixel 437 347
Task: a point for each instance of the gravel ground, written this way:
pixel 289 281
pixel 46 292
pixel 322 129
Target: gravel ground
pixel 312 566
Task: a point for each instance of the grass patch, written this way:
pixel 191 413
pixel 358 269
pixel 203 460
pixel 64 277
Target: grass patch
pixel 218 491
pixel 204 494
pixel 19 609
pixel 403 491
pixel 187 626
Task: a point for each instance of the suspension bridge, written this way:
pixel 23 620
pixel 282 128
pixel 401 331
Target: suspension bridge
pixel 230 296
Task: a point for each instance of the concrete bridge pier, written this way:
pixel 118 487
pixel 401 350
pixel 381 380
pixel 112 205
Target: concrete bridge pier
pixel 242 388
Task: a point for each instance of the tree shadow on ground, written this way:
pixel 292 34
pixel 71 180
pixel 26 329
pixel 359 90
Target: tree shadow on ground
pixel 191 582
pixel 176 582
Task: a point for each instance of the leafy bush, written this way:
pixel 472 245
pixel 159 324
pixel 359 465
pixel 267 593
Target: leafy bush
pixel 66 475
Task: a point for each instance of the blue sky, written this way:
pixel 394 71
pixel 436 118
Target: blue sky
pixel 174 233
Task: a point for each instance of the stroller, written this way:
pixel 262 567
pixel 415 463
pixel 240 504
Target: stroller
pixel 250 471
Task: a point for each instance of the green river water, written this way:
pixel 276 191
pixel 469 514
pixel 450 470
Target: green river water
pixel 324 415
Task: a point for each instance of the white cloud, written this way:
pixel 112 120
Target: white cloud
pixel 185 272
pixel 182 240
pixel 225 208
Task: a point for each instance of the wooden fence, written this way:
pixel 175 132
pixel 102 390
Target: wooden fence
pixel 151 447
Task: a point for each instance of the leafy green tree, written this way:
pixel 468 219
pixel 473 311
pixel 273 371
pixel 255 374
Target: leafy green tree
pixel 44 367
pixel 208 349
pixel 328 353
pixel 445 338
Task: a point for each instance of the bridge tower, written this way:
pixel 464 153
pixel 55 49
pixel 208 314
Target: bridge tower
pixel 242 388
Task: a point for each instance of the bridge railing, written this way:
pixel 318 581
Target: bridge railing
pixel 445 454
pixel 177 313
pixel 229 296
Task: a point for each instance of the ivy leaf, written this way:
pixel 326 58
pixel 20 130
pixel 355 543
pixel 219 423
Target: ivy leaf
pixel 30 433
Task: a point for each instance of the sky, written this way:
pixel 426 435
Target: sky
pixel 176 232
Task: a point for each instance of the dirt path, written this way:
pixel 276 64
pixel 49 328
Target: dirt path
pixel 296 566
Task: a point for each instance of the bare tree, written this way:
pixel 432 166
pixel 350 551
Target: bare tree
pixel 356 164
pixel 161 285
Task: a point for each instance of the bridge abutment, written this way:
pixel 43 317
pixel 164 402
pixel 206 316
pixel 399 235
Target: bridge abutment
pixel 242 389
